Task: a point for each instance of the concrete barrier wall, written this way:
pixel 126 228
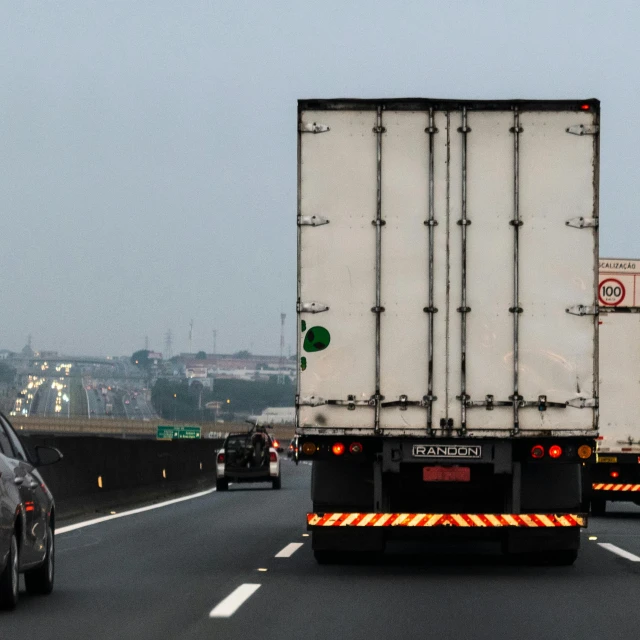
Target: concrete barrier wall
pixel 95 465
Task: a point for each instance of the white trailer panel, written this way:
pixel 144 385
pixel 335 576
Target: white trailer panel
pixel 619 382
pixel 447 267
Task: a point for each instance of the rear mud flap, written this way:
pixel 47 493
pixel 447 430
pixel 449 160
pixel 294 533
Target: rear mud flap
pixel 348 540
pixel 537 540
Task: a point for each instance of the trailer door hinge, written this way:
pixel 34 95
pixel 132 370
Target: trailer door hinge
pixel 311 401
pixel 313 221
pixel 583 129
pixel 581 223
pixel 311 307
pixel 313 127
pixel 582 310
pixel 583 403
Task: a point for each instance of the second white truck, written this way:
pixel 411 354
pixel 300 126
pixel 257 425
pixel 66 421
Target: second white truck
pixel 616 476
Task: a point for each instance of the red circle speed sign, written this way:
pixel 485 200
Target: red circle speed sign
pixel 611 292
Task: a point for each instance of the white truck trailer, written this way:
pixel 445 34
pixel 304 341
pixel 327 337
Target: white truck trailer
pixel 616 476
pixel 448 330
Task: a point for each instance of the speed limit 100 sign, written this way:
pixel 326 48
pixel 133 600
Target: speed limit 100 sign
pixel 611 292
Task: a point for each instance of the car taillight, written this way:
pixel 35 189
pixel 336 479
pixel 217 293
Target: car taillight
pixel 537 451
pixel 555 451
pixel 272 456
pixel 355 448
pixel 220 458
pixel 276 444
pixel 338 449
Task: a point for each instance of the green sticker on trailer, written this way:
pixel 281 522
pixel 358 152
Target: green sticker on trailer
pixel 316 339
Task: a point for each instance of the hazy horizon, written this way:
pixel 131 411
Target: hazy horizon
pixel 148 159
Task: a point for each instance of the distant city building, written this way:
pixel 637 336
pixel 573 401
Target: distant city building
pixel 27 351
pixel 48 354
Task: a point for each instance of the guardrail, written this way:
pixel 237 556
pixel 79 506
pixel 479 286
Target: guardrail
pixel 129 428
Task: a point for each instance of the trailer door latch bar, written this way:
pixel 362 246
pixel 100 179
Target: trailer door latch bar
pixel 583 129
pixel 582 223
pixel 583 310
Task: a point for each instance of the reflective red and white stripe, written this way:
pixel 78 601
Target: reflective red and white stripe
pixel 601 486
pixel 445 520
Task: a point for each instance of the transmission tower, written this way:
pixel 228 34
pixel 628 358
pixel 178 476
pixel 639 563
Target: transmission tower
pixel 146 343
pixel 281 361
pixel 168 349
pixel 191 336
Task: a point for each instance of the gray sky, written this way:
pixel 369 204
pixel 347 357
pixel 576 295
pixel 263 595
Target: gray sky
pixel 148 149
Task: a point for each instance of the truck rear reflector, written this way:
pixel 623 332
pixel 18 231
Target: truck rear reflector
pixel 316 520
pixel 446 474
pixel 602 486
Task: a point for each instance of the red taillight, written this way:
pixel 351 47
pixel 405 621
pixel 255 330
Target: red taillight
pixel 355 448
pixel 272 456
pixel 555 451
pixel 276 444
pixel 537 451
pixel 614 473
pixel 221 458
pixel 338 449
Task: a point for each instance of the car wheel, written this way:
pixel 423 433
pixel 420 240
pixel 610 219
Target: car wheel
pixel 39 581
pixel 276 483
pixel 222 484
pixel 9 578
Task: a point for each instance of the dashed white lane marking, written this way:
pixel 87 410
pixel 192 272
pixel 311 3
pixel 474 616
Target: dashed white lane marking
pixel 289 550
pixel 124 514
pixel 234 601
pixel 618 551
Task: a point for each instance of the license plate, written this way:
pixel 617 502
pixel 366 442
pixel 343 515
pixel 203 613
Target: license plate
pixel 446 474
pixel 607 459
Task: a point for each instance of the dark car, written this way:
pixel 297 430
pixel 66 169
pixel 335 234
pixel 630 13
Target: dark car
pixel 292 451
pixel 27 518
pixel 248 457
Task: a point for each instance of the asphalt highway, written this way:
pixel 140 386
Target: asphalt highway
pixel 191 570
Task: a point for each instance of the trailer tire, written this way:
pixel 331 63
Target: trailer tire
pixel 598 506
pixel 324 556
pixel 557 558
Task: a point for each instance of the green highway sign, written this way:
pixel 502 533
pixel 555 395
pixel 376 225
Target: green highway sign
pixel 167 432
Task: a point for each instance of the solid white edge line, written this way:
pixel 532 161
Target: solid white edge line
pixel 124 514
pixel 234 601
pixel 618 551
pixel 289 550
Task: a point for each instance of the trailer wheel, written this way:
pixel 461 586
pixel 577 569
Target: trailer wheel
pixel 560 558
pixel 324 556
pixel 598 506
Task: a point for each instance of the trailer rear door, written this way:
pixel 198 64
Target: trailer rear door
pixel 447 267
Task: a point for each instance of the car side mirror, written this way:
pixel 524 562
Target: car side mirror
pixel 46 456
